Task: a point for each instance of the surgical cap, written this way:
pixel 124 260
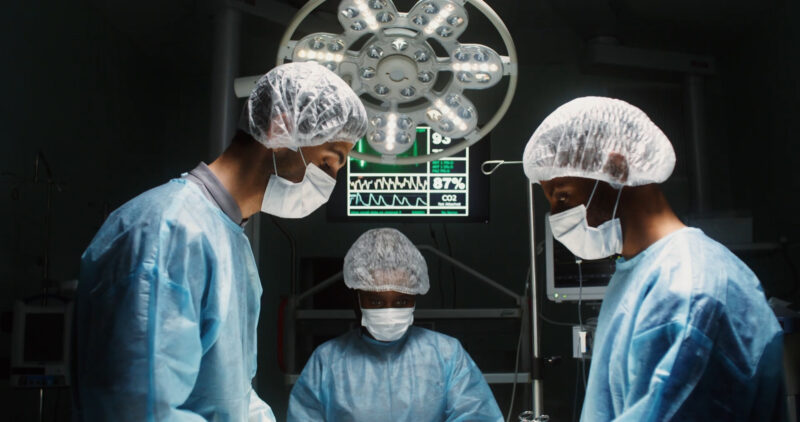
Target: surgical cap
pixel 599 138
pixel 301 105
pixel 384 259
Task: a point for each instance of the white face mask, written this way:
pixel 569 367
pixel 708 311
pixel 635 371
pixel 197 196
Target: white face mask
pixel 286 199
pixel 387 324
pixel 572 229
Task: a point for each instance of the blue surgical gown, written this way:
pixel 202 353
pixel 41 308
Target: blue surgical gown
pixel 167 307
pixel 685 334
pixel 424 376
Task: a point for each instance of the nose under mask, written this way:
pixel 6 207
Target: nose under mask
pixel 387 324
pixel 572 229
pixel 286 199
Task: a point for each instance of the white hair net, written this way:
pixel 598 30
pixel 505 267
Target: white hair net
pixel 599 138
pixel 301 105
pixel 384 259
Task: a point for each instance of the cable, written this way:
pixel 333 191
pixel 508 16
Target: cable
pixel 580 317
pixel 516 359
pixel 557 323
pixel 516 374
pixel 546 319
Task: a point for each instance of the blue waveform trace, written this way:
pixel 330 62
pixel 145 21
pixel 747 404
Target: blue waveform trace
pixel 390 183
pixel 356 199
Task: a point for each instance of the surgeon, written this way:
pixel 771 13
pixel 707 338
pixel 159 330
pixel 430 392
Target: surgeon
pixel 169 293
pixel 390 370
pixel 684 332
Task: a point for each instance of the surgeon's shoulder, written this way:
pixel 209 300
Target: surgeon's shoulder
pixel 442 343
pixel 703 279
pixel 177 203
pixel 337 348
pixel 687 281
pixel 691 264
pixel 713 267
pixel 171 206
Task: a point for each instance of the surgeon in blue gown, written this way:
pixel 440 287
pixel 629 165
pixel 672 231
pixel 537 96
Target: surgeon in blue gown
pixel 390 370
pixel 169 294
pixel 684 331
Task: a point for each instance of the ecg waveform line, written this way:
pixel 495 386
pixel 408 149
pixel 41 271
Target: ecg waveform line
pixel 357 199
pixel 390 183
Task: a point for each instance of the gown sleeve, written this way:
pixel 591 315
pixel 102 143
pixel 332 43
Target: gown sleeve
pixel 664 368
pixel 258 410
pixel 469 397
pixel 691 365
pixel 305 401
pixel 143 346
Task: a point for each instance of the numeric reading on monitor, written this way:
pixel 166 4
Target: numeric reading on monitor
pixel 437 188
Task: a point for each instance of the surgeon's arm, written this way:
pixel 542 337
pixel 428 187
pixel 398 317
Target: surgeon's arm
pixel 305 402
pixel 665 365
pixel 469 397
pixel 142 342
pixel 259 411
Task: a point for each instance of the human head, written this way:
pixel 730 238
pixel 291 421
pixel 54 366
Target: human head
pixel 385 264
pixel 602 139
pixel 386 271
pixel 596 139
pixel 304 105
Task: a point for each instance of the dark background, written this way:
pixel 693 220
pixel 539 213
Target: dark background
pixel 117 95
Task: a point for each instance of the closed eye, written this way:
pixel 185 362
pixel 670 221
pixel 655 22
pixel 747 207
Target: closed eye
pixel 328 169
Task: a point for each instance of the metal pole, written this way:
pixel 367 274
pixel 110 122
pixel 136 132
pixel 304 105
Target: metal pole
pixel 695 120
pixel 536 370
pixel 517 298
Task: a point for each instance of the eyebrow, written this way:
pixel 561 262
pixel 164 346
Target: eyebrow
pixel 341 157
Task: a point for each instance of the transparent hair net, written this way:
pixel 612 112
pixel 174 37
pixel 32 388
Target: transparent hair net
pixel 599 138
pixel 384 259
pixel 304 104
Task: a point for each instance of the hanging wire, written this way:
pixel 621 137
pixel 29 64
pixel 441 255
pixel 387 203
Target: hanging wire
pixel 519 346
pixel 580 317
pixel 495 164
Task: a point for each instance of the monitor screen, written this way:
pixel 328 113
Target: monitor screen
pixel 451 189
pixel 43 337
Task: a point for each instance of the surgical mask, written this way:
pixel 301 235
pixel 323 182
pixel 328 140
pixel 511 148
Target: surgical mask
pixel 572 229
pixel 286 199
pixel 387 324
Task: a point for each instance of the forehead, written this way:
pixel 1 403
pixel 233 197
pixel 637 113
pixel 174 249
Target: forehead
pixel 341 145
pixel 389 294
pixel 566 183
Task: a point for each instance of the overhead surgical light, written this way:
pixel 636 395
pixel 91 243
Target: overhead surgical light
pixel 396 68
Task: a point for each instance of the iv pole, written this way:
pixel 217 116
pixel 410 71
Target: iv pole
pixel 487 168
pixel 537 359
